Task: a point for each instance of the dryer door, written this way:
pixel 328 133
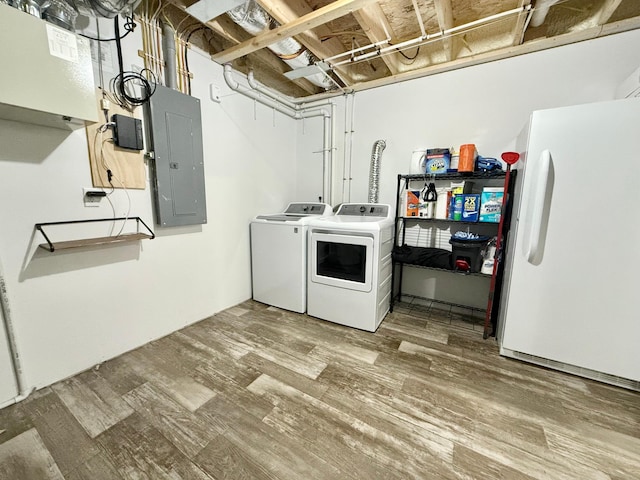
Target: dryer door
pixel 341 260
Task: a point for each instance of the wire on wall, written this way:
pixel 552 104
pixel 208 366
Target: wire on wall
pixel 125 85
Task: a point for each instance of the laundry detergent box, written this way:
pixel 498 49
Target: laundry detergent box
pixel 413 203
pixel 438 161
pixel 491 204
pixel 470 207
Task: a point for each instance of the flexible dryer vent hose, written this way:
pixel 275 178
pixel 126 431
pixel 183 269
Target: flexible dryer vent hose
pixel 374 171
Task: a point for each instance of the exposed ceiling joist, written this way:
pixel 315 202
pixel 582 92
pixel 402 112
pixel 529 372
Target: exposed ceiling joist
pixel 607 10
pixel 529 47
pixel 521 24
pixel 228 30
pixel 364 41
pixel 320 41
pixel 375 24
pixel 444 12
pixel 312 20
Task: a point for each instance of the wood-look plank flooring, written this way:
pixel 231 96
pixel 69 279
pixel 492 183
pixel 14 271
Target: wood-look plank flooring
pixel 259 393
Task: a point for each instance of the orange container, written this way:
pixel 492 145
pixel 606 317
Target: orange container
pixel 467 160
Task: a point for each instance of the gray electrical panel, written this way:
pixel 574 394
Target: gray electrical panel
pixel 175 131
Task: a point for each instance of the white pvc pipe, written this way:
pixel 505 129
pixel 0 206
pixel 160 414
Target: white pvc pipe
pixel 235 86
pixel 428 38
pixel 273 100
pixel 278 98
pixel 171 72
pixel 541 11
pixel 23 390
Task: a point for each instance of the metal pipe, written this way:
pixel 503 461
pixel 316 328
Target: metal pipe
pixel 169 47
pixel 23 390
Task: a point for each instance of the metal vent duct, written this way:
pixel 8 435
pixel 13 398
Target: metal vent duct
pixel 254 20
pixel 104 8
pixel 374 170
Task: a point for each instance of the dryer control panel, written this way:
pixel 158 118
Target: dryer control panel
pixel 364 210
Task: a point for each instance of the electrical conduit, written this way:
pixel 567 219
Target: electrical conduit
pixel 170 57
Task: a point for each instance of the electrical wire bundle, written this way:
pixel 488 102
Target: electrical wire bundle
pixel 123 85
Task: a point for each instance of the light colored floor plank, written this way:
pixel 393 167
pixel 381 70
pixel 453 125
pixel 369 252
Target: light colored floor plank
pixel 26 457
pixel 93 402
pixel 180 426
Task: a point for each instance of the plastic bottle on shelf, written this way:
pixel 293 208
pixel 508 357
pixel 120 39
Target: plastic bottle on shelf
pixel 489 257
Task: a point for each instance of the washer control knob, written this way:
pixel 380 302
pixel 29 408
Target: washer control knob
pixel 363 209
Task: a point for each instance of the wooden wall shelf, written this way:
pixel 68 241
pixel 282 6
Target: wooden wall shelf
pixel 86 242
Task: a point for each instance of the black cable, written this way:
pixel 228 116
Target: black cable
pixel 119 84
pixel 116 31
pixel 406 56
pixel 186 55
pixel 129 26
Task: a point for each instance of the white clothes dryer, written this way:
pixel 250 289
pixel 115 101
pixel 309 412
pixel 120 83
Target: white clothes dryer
pixel 350 265
pixel 279 255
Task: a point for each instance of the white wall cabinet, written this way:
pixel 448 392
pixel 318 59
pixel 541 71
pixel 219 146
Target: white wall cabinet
pixel 47 77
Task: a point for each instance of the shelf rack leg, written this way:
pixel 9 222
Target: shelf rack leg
pixel 487 321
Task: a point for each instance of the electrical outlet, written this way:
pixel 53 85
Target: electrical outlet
pixel 214 91
pixel 91 201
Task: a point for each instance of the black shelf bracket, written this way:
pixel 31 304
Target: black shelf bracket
pixel 126 237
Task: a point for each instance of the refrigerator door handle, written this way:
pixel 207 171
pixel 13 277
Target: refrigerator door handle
pixel 538 199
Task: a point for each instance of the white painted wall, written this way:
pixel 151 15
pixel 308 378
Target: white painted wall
pixel 73 310
pixel 487 105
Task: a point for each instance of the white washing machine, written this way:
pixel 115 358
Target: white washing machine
pixel 279 255
pixel 350 265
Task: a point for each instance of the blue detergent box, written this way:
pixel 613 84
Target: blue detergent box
pixel 470 207
pixel 491 204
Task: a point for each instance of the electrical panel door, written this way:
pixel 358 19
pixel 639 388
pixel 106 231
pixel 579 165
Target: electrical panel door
pixel 175 131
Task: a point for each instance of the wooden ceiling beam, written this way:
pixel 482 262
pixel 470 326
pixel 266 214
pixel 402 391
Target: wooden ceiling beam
pixel 225 28
pixel 320 41
pixel 376 25
pixel 444 12
pixel 606 11
pixel 230 31
pixel 521 23
pixel 312 20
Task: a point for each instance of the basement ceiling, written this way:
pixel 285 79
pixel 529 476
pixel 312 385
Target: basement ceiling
pixel 366 43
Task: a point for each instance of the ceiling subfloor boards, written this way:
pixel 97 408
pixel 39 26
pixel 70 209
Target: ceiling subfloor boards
pixel 375 42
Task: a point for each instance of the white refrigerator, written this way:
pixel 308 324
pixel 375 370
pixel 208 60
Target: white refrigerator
pixel 571 295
